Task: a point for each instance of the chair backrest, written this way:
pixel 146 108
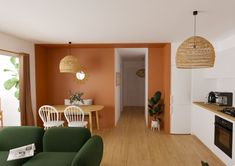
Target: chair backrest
pixel 74 113
pixel 48 113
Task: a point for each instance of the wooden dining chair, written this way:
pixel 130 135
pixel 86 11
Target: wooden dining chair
pixel 50 117
pixel 75 116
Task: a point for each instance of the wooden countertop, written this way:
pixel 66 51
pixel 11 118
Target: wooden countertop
pixel 215 109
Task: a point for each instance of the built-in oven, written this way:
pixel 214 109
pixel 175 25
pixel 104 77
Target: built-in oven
pixel 223 135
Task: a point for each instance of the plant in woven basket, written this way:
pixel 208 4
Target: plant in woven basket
pixel 75 98
pixel 155 106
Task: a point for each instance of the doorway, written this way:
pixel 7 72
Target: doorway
pixel 9 90
pixel 130 92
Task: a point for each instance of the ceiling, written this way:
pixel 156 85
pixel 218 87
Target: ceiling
pixel 115 21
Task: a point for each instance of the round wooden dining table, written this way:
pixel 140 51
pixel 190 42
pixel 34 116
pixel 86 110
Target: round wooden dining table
pixel 88 109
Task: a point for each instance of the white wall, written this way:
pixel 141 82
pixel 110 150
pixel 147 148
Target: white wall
pixel 117 87
pixel 195 84
pixel 146 88
pixel 134 86
pixel 221 77
pixel 225 75
pixel 9 104
pixel 8 42
pixel 201 86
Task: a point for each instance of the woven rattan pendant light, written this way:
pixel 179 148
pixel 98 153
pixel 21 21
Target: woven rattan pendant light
pixel 70 63
pixel 195 52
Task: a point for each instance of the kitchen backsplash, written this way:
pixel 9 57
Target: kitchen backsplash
pixel 220 78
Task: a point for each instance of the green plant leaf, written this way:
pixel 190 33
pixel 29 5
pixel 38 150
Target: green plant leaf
pixel 17 66
pixel 17 85
pixel 154 106
pixel 7 70
pixel 151 112
pixel 10 83
pixel 152 102
pixel 17 94
pixel 157 96
pixel 13 60
pixel 158 109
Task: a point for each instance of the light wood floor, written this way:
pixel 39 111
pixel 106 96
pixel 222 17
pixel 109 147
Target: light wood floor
pixel 132 144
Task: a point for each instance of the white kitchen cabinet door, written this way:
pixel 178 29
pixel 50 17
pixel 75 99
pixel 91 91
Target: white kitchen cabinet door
pixel 180 86
pixel 202 125
pixel 180 101
pixel 180 119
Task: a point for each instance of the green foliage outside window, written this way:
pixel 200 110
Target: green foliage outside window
pixel 14 80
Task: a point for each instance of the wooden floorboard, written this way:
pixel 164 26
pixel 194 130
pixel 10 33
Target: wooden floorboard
pixel 132 144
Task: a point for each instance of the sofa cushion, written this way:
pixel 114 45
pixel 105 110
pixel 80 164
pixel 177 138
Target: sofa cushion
pixel 4 162
pixel 14 137
pixel 65 139
pixel 51 159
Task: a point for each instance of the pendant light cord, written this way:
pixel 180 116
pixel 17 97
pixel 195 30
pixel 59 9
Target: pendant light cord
pixel 195 27
pixel 70 48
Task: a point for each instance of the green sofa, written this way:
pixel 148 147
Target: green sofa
pixel 13 137
pixel 59 146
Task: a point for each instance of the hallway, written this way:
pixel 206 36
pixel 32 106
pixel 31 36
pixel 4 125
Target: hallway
pixel 132 144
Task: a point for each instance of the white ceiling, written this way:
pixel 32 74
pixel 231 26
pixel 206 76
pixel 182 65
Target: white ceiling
pixel 115 21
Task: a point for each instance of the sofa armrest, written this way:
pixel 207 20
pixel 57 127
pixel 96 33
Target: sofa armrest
pixel 90 154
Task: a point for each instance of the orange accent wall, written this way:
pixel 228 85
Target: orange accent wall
pixel 41 70
pixel 155 70
pixel 159 79
pixel 53 87
pixel 167 84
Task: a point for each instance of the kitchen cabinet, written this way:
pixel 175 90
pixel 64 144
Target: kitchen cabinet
pixel 180 103
pixel 180 119
pixel 202 126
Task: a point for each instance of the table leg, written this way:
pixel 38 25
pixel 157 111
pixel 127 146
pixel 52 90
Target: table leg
pixel 97 120
pixel 90 121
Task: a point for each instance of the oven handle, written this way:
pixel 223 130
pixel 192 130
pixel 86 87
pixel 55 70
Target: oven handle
pixel 224 128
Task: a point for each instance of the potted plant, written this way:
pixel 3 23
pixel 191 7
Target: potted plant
pixel 155 108
pixel 75 98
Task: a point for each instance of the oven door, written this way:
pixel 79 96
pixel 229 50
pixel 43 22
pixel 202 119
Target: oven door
pixel 223 139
